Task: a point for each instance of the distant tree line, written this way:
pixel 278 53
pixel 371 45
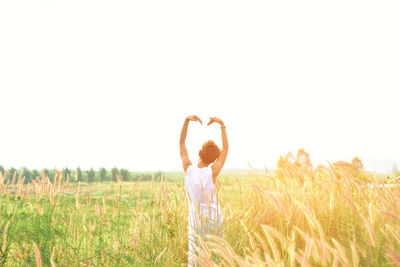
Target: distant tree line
pixel 79 175
pixel 300 167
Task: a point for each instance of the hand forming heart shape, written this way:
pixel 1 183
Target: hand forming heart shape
pixel 212 120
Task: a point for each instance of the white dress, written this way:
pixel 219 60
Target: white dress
pixel 205 216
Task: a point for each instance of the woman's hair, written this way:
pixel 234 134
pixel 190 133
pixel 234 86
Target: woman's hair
pixel 209 152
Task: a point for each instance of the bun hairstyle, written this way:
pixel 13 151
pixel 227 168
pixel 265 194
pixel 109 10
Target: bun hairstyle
pixel 209 152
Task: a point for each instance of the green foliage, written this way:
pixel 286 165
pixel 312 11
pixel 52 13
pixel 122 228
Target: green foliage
pixel 2 169
pixel 78 175
pixel 11 172
pixel 27 174
pixel 114 172
pixel 35 173
pixel 146 224
pixel 91 175
pixel 65 173
pixel 125 175
pixel 102 175
pixel 49 173
pixel 148 176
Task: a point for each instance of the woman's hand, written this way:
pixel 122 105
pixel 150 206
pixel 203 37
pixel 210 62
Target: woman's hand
pixel 194 118
pixel 217 120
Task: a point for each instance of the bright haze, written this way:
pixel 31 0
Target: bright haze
pixel 109 83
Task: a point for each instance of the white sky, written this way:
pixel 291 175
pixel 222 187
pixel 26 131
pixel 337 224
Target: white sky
pixel 109 83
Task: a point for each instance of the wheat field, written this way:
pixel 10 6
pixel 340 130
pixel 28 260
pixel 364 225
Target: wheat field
pixel 332 218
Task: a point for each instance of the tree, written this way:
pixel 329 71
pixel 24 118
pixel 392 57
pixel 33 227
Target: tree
pixel 103 174
pixel 353 168
pixel 35 173
pixel 357 164
pixel 65 173
pixel 114 172
pixel 303 160
pixel 27 174
pixel 10 174
pixel 343 165
pixel 78 174
pixel 2 170
pixel 299 167
pixel 289 157
pixel 91 174
pixel 49 174
pixel 286 167
pixel 124 174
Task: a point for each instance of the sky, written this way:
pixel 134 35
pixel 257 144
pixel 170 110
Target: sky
pixel 109 83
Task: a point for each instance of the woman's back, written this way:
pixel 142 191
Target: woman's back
pixel 204 211
pixel 200 186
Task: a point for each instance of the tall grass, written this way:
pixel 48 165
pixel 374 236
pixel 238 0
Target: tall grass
pixel 333 219
pixel 328 220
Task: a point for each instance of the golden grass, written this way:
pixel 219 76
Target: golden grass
pixel 331 219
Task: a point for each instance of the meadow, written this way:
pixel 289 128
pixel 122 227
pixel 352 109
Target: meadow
pixel 329 218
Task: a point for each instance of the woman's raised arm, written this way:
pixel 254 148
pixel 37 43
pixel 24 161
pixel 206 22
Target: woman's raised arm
pixel 217 167
pixel 182 146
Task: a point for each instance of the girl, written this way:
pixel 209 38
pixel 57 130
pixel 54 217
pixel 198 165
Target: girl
pixel 204 212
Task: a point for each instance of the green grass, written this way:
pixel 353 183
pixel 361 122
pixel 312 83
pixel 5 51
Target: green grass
pixel 267 221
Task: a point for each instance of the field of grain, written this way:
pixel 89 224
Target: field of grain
pixel 329 219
